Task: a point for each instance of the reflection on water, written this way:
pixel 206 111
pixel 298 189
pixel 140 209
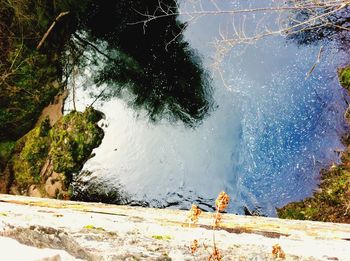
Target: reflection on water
pixel 152 61
pixel 329 27
pixel 264 144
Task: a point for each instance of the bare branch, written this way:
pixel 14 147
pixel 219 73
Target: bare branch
pixel 50 29
pixel 316 63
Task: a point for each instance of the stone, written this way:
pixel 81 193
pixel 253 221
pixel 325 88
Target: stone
pixel 33 191
pixel 13 250
pixel 95 231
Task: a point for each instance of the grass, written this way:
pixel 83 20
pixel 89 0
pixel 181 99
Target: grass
pixel 221 204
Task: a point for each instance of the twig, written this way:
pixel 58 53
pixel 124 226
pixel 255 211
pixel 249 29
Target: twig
pixel 83 41
pixel 151 17
pixel 50 29
pixel 98 97
pixel 316 63
pixel 75 72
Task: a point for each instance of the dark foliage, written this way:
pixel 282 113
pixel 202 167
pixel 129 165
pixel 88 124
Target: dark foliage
pixel 153 62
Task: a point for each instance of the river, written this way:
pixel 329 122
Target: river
pixel 268 134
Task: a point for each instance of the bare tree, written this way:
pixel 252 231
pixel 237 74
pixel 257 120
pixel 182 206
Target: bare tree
pixel 317 14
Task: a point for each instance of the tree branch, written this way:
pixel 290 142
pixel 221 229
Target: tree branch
pixel 50 29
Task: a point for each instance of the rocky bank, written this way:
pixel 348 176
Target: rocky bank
pixel 93 231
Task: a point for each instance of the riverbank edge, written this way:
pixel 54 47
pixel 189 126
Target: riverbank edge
pixel 40 149
pixel 330 201
pixel 95 231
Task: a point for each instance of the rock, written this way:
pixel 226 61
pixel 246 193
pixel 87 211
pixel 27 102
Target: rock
pixel 13 250
pixel 54 110
pixel 46 158
pixel 54 185
pixel 94 231
pixel 33 191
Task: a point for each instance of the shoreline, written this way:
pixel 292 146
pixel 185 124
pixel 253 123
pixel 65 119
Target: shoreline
pixel 330 201
pixel 95 231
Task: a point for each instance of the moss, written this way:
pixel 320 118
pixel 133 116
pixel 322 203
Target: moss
pixel 92 227
pixel 73 139
pixel 344 77
pixel 161 237
pixel 68 144
pixel 28 164
pixel 329 203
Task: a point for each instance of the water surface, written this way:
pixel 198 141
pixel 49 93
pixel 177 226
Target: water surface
pixel 269 132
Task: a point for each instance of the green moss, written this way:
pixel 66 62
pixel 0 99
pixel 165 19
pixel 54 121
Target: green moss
pixel 292 212
pixel 344 77
pixel 93 227
pixel 68 144
pixel 28 164
pixel 73 139
pixel 161 237
pixel 329 203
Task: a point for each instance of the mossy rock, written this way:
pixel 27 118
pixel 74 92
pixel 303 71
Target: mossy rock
pixel 344 77
pixel 73 139
pixel 33 155
pixel 329 203
pixel 67 145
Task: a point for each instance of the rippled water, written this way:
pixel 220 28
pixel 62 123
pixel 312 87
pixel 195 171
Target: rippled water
pixel 265 142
